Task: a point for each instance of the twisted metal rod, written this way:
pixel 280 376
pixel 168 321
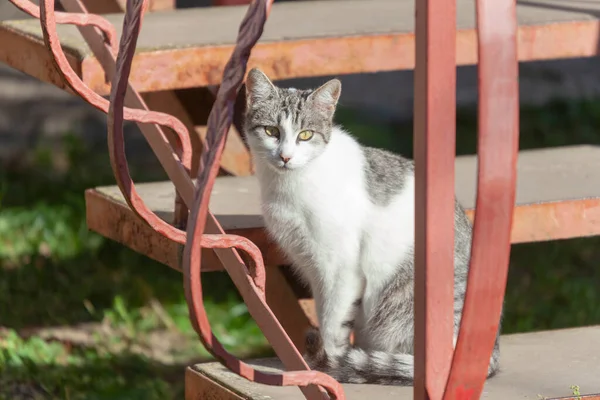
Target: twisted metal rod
pixel 219 122
pixel 117 113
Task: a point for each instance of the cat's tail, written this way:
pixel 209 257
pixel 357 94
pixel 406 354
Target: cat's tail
pixel 356 365
pixel 359 366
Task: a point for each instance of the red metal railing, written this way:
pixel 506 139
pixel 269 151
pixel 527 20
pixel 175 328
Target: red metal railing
pixel 176 163
pixel 498 142
pixel 439 372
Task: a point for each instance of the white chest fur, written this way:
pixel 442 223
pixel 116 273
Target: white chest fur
pixel 322 217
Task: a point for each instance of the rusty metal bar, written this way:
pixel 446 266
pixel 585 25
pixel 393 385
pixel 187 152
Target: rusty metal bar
pixel 248 281
pixel 498 141
pixel 434 150
pixel 251 287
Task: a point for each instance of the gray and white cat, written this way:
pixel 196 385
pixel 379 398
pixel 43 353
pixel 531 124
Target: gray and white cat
pixel 344 215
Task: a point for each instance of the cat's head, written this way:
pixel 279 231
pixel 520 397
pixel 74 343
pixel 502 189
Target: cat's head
pixel 288 128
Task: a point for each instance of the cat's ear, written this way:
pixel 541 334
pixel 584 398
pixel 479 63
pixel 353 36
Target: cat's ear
pixel 325 98
pixel 258 86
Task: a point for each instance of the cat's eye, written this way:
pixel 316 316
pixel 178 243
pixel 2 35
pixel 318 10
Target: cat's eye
pixel 272 131
pixel 305 135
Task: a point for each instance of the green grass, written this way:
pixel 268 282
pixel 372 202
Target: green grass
pixel 35 368
pixel 82 317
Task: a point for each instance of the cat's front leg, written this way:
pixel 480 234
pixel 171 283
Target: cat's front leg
pixel 337 299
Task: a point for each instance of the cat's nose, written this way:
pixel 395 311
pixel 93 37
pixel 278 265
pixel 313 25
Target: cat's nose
pixel 284 159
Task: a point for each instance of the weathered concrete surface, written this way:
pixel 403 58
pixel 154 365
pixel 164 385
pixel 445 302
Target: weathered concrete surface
pixel 532 366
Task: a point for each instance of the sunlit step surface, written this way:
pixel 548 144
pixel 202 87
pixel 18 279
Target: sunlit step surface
pixel 189 47
pixel 533 366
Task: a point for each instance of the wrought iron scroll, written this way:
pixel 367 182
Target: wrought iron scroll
pixel 177 162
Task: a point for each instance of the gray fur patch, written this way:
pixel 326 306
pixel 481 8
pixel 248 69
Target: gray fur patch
pixel 386 174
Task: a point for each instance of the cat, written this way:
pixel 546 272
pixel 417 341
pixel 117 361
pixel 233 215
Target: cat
pixel 344 216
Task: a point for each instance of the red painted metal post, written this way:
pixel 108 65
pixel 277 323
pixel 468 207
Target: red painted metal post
pixel 434 150
pixel 497 150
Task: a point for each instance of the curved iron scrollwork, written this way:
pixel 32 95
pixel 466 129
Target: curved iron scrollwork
pixel 177 163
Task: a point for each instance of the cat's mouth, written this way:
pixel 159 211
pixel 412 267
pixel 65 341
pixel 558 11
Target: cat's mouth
pixel 283 167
